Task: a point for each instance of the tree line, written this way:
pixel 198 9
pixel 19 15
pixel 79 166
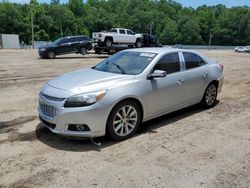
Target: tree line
pixel 171 22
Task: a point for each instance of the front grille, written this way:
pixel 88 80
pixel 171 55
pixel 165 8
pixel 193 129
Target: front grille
pixel 50 125
pixel 47 109
pixel 51 98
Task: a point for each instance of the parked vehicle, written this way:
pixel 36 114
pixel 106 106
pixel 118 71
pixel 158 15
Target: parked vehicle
pixel 129 87
pixel 147 41
pixel 240 49
pixel 118 36
pixel 66 45
pixel 248 49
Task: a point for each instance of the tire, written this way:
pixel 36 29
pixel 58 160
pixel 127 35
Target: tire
pixel 124 120
pixel 83 51
pixel 51 54
pixel 108 42
pixel 138 43
pixel 210 96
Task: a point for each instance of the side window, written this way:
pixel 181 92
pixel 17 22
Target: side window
pixel 84 38
pixel 192 60
pixel 113 30
pixel 122 31
pixel 72 39
pixel 129 32
pixel 63 41
pixel 169 63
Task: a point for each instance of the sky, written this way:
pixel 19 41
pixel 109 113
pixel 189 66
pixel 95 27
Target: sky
pixel 185 3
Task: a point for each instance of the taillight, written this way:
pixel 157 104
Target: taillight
pixel 100 35
pixel 222 67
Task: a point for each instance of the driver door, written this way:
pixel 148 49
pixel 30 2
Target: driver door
pixel 167 93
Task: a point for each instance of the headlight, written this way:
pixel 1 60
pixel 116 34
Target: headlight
pixel 84 99
pixel 42 49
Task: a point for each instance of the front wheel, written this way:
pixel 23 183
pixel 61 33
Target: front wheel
pixel 51 54
pixel 108 42
pixel 124 120
pixel 210 96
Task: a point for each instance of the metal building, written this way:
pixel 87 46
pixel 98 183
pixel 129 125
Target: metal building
pixel 10 41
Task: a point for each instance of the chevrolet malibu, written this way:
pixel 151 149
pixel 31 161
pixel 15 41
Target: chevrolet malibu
pixel 130 87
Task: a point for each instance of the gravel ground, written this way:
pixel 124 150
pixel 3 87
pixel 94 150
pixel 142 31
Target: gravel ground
pixel 192 147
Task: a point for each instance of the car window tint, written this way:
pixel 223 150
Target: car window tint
pixel 122 31
pixel 129 32
pixel 169 63
pixel 63 41
pixel 113 30
pixel 73 39
pixel 84 38
pixel 192 60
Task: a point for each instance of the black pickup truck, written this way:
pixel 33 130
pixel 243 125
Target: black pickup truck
pixel 72 44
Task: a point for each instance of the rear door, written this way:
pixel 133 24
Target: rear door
pixel 196 76
pixel 130 36
pixel 122 36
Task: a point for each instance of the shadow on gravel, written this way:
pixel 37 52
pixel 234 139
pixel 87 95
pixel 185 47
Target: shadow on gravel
pixel 58 142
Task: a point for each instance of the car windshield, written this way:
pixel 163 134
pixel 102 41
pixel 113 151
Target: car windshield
pixel 56 41
pixel 126 62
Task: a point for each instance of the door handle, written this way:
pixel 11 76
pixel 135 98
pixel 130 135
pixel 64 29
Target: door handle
pixel 205 75
pixel 180 82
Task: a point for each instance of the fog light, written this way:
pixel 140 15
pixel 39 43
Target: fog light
pixel 80 127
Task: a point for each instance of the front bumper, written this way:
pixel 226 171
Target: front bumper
pixel 94 116
pixel 42 53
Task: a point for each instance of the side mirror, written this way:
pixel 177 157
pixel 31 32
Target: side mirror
pixel 157 74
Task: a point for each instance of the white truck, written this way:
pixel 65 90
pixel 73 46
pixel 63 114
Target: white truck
pixel 118 36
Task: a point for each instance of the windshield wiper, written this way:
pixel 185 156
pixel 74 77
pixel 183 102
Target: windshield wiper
pixel 120 68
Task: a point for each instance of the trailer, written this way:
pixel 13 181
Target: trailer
pixel 148 41
pixel 9 41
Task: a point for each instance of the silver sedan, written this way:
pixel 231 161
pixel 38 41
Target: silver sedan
pixel 128 88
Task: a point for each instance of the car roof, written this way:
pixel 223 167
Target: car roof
pixel 159 50
pixel 120 28
pixel 77 36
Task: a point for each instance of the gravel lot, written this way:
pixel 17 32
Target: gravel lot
pixel 189 148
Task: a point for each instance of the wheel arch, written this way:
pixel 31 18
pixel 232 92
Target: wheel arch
pixel 109 37
pixel 216 82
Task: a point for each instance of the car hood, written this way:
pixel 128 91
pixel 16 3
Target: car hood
pixel 89 80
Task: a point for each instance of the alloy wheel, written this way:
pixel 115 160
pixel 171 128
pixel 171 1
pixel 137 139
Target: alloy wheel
pixel 211 94
pixel 125 120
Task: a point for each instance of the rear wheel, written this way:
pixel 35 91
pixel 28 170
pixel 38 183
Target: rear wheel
pixel 210 95
pixel 108 42
pixel 51 54
pixel 124 120
pixel 83 50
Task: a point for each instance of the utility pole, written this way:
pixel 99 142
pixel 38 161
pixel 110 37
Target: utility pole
pixel 151 28
pixel 32 23
pixel 210 38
